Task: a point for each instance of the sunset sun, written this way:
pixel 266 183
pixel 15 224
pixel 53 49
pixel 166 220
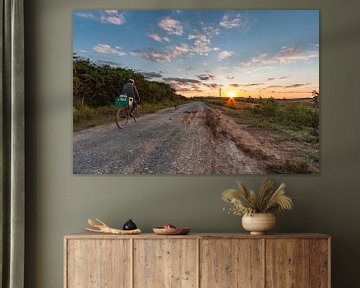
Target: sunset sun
pixel 231 94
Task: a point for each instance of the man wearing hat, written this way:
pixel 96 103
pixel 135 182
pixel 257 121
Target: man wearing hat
pixel 130 90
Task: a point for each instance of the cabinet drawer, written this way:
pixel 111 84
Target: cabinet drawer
pixel 297 263
pixel 231 263
pixel 165 263
pixel 98 263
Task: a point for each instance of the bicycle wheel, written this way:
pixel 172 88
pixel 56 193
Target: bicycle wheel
pixel 122 117
pixel 138 113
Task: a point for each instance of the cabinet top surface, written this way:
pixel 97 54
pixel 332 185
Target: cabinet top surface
pixel 87 235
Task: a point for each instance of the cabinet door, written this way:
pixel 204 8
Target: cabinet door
pixel 231 263
pixel 165 263
pixel 320 263
pixel 98 263
pixel 288 263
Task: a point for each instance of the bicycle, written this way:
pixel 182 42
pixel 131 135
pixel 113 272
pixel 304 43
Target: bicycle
pixel 123 114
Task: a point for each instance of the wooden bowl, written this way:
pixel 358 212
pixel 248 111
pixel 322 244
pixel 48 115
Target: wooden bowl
pixel 171 231
pixel 259 223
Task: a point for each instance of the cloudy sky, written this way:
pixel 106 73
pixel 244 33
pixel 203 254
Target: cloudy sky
pixel 244 52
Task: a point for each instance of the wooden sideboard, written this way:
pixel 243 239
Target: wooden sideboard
pixel 197 260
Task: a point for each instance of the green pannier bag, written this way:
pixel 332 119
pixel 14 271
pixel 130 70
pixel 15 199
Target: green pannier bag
pixel 123 100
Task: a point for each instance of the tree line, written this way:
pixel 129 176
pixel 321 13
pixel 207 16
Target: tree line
pixel 98 85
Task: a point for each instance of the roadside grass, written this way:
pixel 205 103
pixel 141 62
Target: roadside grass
pixel 288 120
pixel 86 117
pixel 289 167
pixel 296 120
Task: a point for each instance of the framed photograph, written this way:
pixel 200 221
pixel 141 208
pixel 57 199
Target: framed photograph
pixel 196 92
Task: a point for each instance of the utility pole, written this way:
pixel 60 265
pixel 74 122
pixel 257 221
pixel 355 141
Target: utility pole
pixel 219 92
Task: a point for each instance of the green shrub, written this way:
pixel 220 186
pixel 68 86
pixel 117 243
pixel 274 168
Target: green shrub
pixel 300 116
pixel 269 108
pixel 97 86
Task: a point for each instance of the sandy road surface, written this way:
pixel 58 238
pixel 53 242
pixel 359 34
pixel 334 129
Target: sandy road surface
pixel 166 142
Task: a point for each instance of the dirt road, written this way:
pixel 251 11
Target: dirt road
pixel 189 140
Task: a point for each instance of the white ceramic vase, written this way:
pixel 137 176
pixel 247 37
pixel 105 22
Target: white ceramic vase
pixel 259 223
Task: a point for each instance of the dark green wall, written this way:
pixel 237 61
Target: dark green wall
pixel 59 203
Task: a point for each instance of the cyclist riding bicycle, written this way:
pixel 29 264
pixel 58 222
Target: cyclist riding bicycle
pixel 130 90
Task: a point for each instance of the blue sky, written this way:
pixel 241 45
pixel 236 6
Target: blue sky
pixel 272 53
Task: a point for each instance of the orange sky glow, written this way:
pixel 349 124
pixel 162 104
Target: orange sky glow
pixel 231 92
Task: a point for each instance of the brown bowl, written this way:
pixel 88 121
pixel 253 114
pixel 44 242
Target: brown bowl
pixel 171 231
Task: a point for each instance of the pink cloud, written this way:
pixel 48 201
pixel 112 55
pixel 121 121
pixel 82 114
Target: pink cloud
pixel 214 85
pixel 232 21
pixel 171 26
pixel 158 38
pixel 210 31
pixel 206 77
pixel 201 44
pixel 297 85
pixel 107 49
pixel 162 56
pixel 292 54
pixel 111 12
pixel 112 17
pixel 224 54
pixel 85 15
pixel 202 40
pixel 252 84
pixel 286 55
